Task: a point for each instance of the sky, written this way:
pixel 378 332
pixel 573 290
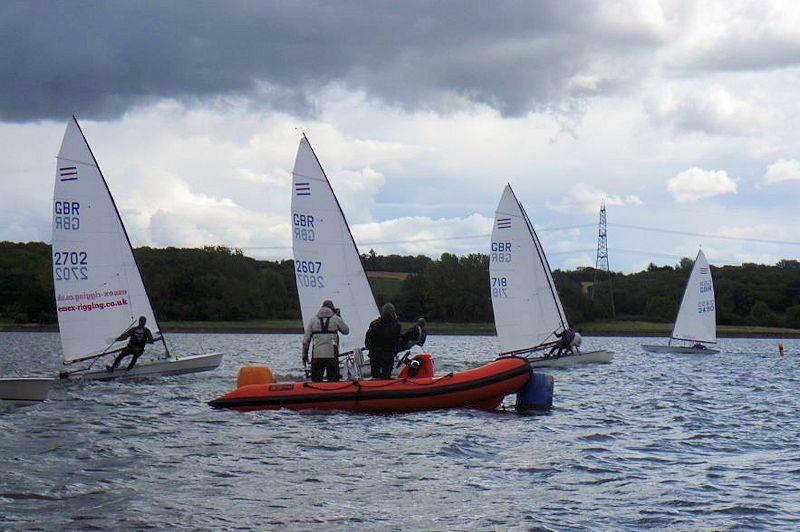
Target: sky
pixel 681 116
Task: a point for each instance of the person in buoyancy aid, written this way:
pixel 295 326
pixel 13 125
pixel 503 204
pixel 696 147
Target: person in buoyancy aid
pixel 137 337
pixel 323 331
pixel 564 343
pixel 383 342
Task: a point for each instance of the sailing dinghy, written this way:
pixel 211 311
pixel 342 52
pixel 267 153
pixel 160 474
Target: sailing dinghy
pixel 24 391
pixel 527 310
pixel 326 260
pixel 697 316
pixel 98 286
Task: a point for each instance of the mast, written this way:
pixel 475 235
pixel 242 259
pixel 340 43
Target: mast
pixel 127 238
pixel 347 225
pixel 546 265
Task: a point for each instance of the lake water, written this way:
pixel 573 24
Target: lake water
pixel 650 441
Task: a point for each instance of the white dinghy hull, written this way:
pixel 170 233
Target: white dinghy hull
pixel 24 391
pixel 679 350
pixel 156 368
pixel 589 357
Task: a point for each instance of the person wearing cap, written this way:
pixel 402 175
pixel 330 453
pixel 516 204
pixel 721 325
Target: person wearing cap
pixel 383 342
pixel 323 332
pixel 137 337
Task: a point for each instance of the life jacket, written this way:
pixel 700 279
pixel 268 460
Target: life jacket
pixel 324 324
pixel 138 336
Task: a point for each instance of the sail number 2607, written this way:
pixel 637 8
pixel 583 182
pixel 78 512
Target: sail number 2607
pixel 309 273
pixel 70 265
pixel 499 287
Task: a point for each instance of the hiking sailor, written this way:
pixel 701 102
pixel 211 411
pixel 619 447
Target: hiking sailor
pixel 564 342
pixel 324 330
pixel 137 337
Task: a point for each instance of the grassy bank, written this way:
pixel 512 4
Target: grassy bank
pixel 598 328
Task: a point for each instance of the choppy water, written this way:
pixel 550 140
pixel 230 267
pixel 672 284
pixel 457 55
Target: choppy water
pixel 651 441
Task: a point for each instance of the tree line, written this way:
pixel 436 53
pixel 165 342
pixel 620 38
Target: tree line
pixel 221 284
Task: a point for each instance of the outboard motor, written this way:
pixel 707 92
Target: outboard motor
pixel 418 367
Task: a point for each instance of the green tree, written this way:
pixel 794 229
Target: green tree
pixel 793 316
pixel 761 314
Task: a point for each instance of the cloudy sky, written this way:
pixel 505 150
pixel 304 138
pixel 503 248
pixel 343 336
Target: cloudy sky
pixel 682 116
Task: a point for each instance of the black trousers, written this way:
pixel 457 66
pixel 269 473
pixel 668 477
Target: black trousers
pixel 125 352
pixel 321 366
pixel 381 365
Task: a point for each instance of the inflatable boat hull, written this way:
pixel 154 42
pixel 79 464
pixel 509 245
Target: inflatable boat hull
pixel 481 388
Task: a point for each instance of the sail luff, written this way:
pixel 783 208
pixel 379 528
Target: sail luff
pixel 546 265
pixel 124 231
pixel 341 212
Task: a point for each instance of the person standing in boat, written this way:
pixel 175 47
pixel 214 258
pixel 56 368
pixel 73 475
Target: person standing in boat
pixel 138 336
pixel 383 342
pixel 324 331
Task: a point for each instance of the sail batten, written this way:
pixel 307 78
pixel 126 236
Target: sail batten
pixel 527 309
pixel 326 259
pixel 697 317
pixel 98 286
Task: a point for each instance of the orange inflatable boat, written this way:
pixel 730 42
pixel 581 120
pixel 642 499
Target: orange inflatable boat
pixel 481 388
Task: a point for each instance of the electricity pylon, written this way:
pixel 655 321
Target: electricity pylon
pixel 601 268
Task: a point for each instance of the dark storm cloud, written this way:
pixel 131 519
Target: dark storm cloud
pixel 99 59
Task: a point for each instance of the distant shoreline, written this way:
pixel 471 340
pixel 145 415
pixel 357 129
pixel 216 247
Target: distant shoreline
pixel 608 328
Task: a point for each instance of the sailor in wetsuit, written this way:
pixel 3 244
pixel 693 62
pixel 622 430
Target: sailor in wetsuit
pixel 137 337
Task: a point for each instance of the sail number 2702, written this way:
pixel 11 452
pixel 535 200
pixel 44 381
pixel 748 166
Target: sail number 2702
pixel 499 287
pixel 309 273
pixel 70 265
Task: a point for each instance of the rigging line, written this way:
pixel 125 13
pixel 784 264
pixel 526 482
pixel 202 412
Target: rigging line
pixel 706 235
pixel 435 239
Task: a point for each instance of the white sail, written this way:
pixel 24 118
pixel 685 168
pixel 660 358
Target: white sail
pixel 527 309
pixel 326 261
pixel 697 315
pixel 98 287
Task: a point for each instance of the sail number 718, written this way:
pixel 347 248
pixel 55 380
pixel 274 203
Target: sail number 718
pixel 499 287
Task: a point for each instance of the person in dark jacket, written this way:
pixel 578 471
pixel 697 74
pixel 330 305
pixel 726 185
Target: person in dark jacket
pixel 383 342
pixel 137 337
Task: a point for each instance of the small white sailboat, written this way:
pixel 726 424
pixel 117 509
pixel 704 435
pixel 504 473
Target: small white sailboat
pixel 24 391
pixel 98 286
pixel 696 324
pixel 527 310
pixel 326 259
